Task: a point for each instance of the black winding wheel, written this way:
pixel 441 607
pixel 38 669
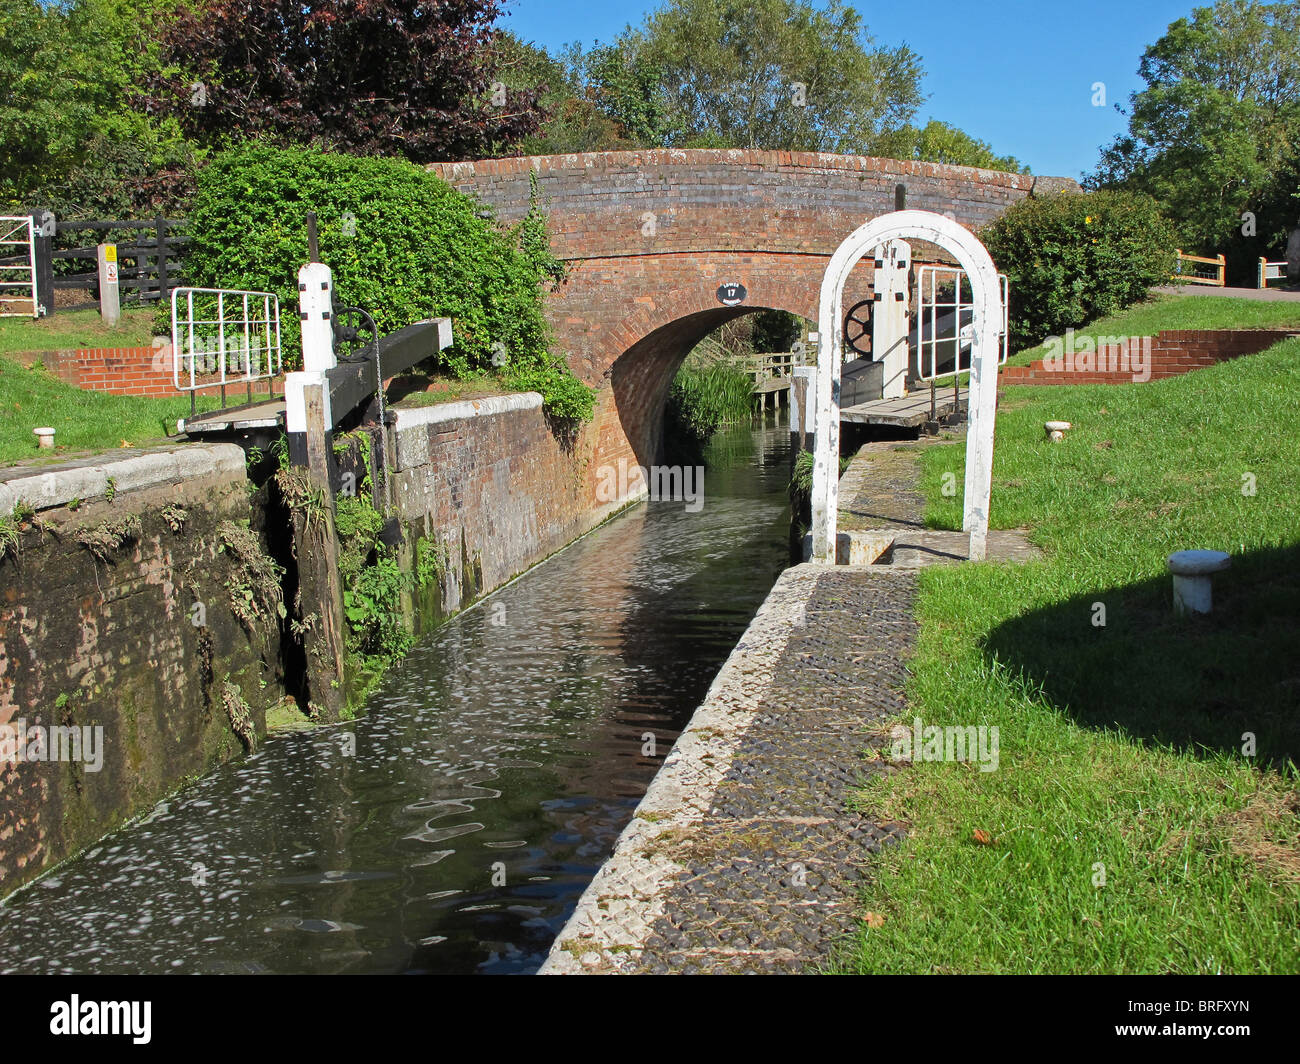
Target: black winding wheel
pixel 857 327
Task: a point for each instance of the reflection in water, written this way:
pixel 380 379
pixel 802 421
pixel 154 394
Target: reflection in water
pixel 492 772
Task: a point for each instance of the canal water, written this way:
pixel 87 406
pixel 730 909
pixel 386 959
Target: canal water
pixel 453 827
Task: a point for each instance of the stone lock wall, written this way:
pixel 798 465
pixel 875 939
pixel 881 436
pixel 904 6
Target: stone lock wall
pixel 493 485
pixel 97 632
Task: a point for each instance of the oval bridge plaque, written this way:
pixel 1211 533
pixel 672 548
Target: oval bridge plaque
pixel 731 294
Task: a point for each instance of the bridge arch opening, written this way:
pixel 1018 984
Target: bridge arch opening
pixel 640 379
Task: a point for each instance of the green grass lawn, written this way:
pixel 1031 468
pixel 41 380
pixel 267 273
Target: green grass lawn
pixel 1121 747
pixel 80 328
pixel 31 397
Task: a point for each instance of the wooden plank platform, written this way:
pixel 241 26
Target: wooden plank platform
pixel 909 412
pixel 266 414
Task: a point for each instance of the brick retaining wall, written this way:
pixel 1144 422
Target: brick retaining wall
pixel 139 371
pixel 1171 353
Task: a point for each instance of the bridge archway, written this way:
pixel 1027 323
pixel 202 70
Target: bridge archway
pixel 641 377
pixel 650 235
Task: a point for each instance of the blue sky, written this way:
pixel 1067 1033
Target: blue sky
pixel 1020 79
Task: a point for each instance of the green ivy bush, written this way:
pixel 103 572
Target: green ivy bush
pixel 403 244
pixel 1072 258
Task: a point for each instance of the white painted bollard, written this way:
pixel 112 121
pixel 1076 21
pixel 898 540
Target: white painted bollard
pixel 1056 430
pixel 1192 570
pixel 44 437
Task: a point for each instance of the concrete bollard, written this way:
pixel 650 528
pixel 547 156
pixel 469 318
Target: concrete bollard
pixel 1192 570
pixel 44 437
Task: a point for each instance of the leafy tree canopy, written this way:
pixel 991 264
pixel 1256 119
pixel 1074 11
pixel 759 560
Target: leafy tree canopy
pixel 938 142
pixel 777 74
pixel 1216 131
pixel 69 137
pixel 405 78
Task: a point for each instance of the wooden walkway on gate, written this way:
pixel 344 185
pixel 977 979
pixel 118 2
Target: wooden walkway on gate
pixel 907 412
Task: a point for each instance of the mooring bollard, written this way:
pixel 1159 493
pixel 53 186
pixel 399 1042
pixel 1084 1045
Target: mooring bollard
pixel 1056 430
pixel 1192 570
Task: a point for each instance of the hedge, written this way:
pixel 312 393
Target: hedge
pixel 1074 257
pixel 403 244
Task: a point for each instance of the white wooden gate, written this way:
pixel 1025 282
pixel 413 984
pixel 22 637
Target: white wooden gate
pixel 17 268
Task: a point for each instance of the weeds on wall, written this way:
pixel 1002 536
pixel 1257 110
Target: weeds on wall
pixel 373 581
pixel 254 586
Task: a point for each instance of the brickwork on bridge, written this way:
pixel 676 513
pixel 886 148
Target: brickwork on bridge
pixel 650 235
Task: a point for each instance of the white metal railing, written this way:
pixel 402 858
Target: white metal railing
pixel 217 331
pixel 932 283
pixel 1269 271
pixel 17 280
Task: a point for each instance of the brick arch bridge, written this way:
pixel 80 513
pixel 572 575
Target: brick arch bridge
pixel 651 235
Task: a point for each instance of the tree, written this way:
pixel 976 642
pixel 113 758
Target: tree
pixel 1216 131
pixel 629 86
pixel 366 77
pixel 69 136
pixel 572 120
pixel 938 142
pixel 776 74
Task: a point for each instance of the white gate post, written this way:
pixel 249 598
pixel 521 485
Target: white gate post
pixel 890 320
pixel 315 312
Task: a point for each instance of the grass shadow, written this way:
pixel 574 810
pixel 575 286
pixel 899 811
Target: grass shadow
pixel 1199 685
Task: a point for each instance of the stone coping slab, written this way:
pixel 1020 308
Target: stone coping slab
pixel 412 416
pixel 46 487
pixel 616 913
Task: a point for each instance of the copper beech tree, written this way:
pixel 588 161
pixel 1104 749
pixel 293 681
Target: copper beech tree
pixel 366 77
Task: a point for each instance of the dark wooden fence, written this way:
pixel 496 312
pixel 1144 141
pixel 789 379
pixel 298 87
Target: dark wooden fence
pixel 148 254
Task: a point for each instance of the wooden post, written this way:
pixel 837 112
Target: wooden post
pixel 110 306
pixel 318 562
pixel 43 229
pixel 160 236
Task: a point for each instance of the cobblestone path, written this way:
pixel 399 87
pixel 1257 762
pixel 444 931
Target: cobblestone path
pixel 770 881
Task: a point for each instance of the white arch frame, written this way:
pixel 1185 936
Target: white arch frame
pixel 986 318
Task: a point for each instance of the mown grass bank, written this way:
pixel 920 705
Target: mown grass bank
pixel 32 397
pixel 1125 829
pixel 78 328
